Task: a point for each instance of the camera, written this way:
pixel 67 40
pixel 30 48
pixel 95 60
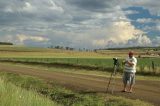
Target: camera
pixel 115 61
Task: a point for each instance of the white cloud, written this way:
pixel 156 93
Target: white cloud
pixel 115 34
pixel 141 40
pixel 8 9
pixel 144 20
pixel 28 7
pixel 128 12
pixel 22 38
pixel 55 7
pixel 118 33
pixel 158 26
pixel 156 41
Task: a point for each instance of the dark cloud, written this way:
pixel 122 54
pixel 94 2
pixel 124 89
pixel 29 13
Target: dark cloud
pixel 92 5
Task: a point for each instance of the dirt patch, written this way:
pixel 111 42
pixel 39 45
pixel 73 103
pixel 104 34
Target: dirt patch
pixel 61 65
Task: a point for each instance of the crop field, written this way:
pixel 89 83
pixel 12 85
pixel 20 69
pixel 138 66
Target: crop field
pixel 34 52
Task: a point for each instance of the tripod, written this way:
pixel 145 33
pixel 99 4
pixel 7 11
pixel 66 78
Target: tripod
pixel 113 74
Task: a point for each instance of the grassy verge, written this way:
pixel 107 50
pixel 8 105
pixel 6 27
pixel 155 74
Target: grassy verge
pixel 65 96
pixel 120 101
pixel 11 95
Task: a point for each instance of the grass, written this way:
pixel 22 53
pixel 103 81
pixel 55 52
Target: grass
pixel 63 95
pixel 112 101
pixel 144 65
pixel 11 95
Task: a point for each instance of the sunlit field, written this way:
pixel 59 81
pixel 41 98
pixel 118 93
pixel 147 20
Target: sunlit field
pixel 102 59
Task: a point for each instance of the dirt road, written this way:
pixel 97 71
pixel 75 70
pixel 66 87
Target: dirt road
pixel 144 90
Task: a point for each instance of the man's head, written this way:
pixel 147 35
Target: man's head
pixel 130 54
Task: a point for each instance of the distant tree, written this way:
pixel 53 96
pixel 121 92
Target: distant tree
pixel 69 48
pixel 61 47
pixel 57 47
pixel 51 46
pixel 80 49
pixel 6 43
pixel 95 50
pixel 87 50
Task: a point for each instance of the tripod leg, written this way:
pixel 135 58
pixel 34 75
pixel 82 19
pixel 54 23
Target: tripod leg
pixel 113 85
pixel 109 82
pixel 114 75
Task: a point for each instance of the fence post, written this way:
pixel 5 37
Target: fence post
pixel 77 61
pixel 153 67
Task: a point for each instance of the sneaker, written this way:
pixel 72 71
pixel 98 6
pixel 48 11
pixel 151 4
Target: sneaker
pixel 130 91
pixel 123 91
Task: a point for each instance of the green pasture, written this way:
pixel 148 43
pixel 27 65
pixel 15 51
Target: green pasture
pixel 144 65
pixel 100 62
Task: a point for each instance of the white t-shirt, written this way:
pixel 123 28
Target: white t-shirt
pixel 129 68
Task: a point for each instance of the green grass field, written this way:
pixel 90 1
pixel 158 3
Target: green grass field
pixel 11 95
pixel 144 66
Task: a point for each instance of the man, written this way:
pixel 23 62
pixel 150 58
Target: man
pixel 129 72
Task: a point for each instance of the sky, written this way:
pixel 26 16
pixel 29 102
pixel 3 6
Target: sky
pixel 87 24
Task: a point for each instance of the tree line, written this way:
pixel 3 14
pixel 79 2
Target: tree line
pixel 6 43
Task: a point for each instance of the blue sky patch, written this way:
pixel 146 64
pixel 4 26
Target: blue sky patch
pixel 143 13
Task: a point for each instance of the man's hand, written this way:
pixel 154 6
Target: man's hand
pixel 130 63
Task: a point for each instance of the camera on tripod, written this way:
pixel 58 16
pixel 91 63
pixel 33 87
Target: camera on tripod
pixel 113 74
pixel 115 61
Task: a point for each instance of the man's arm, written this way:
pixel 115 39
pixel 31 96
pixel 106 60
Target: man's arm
pixel 130 63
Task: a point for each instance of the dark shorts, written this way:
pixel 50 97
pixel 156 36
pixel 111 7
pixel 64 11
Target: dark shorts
pixel 129 77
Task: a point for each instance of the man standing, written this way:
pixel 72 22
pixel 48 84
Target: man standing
pixel 129 72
